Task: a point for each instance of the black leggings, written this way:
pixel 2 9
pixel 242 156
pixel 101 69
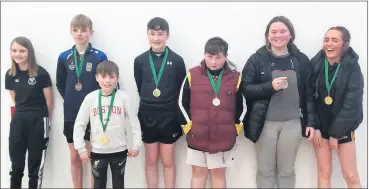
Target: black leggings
pixel 99 167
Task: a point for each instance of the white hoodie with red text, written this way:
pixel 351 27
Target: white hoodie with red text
pixel 116 128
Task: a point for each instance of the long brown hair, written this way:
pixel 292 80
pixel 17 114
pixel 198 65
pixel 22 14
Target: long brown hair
pixel 32 64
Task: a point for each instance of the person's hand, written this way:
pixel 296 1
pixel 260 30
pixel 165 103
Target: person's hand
pixel 310 132
pixel 84 156
pixel 278 83
pixel 333 143
pixel 318 140
pixel 133 153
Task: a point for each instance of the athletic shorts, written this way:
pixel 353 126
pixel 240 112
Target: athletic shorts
pixel 68 131
pixel 210 161
pixel 159 128
pixel 350 136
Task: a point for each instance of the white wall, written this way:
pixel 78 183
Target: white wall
pixel 120 31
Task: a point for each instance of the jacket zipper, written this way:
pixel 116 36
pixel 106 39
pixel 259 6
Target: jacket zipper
pixel 316 94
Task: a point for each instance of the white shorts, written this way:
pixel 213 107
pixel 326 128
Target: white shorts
pixel 210 161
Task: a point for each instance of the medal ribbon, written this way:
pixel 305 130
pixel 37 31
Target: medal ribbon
pixel 109 110
pixel 217 86
pixel 79 65
pixel 327 84
pixel 158 77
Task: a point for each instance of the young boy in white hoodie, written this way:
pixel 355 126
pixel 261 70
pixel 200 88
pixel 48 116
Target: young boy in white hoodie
pixel 106 109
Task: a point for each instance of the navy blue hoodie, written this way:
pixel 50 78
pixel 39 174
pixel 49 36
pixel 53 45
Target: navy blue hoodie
pixel 66 79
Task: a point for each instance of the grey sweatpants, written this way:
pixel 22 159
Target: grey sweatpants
pixel 276 152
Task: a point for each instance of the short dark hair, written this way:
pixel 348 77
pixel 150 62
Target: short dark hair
pixel 158 23
pixel 215 46
pixel 107 67
pixel 346 37
pixel 286 22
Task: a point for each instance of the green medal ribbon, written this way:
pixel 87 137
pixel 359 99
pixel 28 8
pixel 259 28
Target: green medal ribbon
pixel 109 110
pixel 79 65
pixel 158 77
pixel 327 84
pixel 217 86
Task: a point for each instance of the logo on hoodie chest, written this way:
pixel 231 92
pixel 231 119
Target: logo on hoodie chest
pixel 72 66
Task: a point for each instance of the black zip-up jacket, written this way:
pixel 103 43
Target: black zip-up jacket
pixel 347 107
pixel 258 90
pixel 169 85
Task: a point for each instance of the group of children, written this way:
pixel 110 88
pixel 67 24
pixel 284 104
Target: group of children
pixel 206 104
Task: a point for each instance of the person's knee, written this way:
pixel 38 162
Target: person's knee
pixel 199 172
pixel 151 161
pixel 290 173
pixel 17 168
pixel 75 160
pixel 167 155
pixel 265 171
pixel 286 172
pixel 351 177
pixel 35 176
pixel 168 162
pixel 325 172
pixel 285 168
pixel 17 172
pixel 218 173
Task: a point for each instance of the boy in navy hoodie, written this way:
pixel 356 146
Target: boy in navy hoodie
pixel 75 78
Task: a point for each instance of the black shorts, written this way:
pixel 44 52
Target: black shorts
pixel 68 131
pixel 159 128
pixel 350 136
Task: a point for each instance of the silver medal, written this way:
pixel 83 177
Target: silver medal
pixel 216 102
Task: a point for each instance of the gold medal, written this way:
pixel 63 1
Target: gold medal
pixel 157 77
pixel 104 139
pixel 156 92
pixel 328 100
pixel 78 86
